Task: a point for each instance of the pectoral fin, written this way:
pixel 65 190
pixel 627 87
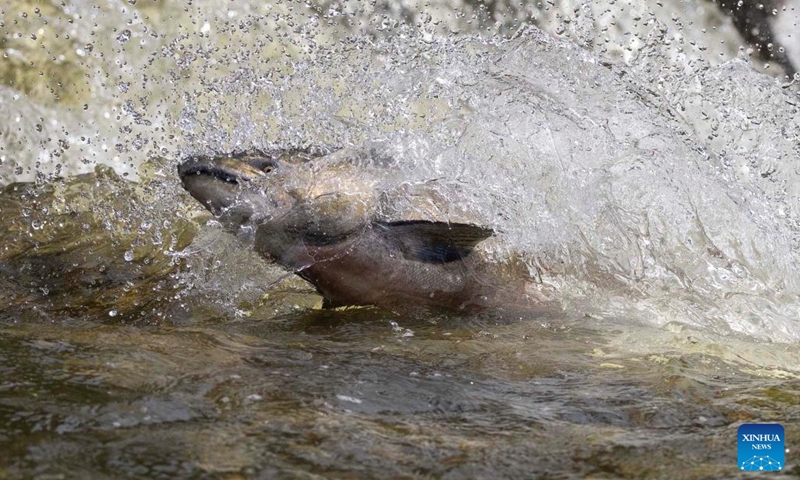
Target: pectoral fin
pixel 434 242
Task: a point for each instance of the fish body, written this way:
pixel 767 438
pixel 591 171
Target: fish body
pixel 317 217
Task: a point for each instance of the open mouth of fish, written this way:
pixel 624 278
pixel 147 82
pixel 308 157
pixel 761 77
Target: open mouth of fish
pixel 218 184
pixel 228 170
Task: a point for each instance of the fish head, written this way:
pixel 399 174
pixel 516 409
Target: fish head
pixel 231 188
pixel 287 197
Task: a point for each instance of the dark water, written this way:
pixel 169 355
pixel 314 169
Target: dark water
pixel 179 382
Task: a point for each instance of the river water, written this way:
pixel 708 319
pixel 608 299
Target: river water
pixel 630 156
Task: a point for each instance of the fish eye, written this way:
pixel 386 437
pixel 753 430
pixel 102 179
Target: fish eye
pixel 266 165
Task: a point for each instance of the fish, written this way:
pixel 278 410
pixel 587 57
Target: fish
pixel 317 215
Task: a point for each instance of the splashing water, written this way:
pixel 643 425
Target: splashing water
pixel 638 165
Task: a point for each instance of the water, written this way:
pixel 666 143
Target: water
pixel 650 189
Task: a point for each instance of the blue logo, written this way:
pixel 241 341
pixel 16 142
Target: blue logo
pixel 761 447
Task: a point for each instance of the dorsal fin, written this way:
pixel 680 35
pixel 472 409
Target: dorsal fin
pixel 435 242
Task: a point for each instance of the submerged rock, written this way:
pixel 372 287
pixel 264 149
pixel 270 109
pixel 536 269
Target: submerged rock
pixel 74 247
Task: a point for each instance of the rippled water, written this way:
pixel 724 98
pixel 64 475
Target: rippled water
pixel 651 191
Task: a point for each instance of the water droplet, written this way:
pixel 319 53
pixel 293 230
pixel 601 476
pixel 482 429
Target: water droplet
pixel 128 256
pixel 112 313
pixel 124 36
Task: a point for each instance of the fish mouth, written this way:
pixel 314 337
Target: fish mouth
pixel 218 184
pixel 227 170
